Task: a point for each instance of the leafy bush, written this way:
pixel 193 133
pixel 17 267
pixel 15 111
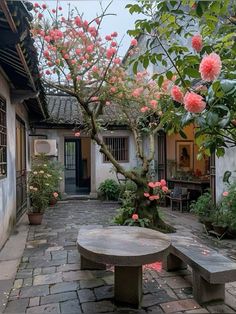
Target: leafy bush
pixel 204 206
pixel 127 187
pixel 109 190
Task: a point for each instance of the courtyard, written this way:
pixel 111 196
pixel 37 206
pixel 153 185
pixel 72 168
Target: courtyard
pixel 46 275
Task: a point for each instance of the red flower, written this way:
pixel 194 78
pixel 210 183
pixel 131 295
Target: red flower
pixel 135 217
pixel 146 194
pixel 225 193
pixel 197 42
pixel 194 103
pixel 210 67
pixel 176 94
pixel 153 103
pixel 164 189
pixel 144 109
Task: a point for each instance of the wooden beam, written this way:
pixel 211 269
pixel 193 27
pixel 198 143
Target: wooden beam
pixel 5 9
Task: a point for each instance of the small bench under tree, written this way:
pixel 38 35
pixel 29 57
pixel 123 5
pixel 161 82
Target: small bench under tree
pixel 210 269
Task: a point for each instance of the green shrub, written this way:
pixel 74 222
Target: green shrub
pixel 129 186
pixel 109 190
pixel 204 206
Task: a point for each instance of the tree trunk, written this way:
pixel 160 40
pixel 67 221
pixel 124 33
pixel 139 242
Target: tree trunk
pixel 149 209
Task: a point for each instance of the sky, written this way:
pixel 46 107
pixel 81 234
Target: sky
pixel 120 23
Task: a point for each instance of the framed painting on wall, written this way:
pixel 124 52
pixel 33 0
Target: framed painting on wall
pixel 184 155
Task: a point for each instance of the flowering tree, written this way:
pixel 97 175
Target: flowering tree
pixel 193 41
pixel 78 61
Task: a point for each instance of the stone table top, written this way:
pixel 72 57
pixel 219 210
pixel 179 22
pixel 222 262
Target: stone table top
pixel 122 245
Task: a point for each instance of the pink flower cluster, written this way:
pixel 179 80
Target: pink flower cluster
pixel 135 217
pixel 159 187
pixel 197 42
pixel 210 67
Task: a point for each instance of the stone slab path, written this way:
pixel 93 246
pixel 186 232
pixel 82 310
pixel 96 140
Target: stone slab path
pixel 49 279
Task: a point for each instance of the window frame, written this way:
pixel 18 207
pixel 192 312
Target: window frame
pixel 3 111
pixel 127 138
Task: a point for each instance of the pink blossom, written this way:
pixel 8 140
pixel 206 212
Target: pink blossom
pixel 77 134
pixel 144 109
pixel 165 85
pixel 97 21
pixel 154 197
pixel 95 69
pixel 197 42
pixel 108 103
pixel 85 23
pixel 113 89
pixel 57 61
pixel 108 37
pixel 36 5
pixel 134 42
pixel 55 194
pixel 47 38
pixel 117 60
pixel 94 98
pixel 113 44
pixel 46 54
pixel 40 16
pixel 152 185
pixel 135 217
pixel 163 182
pixel 48 72
pixel 176 94
pixel 73 61
pixel 137 92
pixel 146 194
pixel 210 67
pixel 164 189
pixel 78 21
pixel 114 34
pixel 90 48
pixel 193 102
pixel 53 11
pixel 59 8
pixel 225 193
pixel 66 56
pixel 110 52
pixel 153 103
pixel 78 51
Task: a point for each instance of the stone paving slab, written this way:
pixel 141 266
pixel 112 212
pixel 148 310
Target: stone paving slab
pixel 49 279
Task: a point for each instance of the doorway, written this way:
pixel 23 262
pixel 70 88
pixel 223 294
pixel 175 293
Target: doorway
pixel 77 166
pixel 21 186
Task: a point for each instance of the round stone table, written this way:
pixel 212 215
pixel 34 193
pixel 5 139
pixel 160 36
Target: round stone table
pixel 127 248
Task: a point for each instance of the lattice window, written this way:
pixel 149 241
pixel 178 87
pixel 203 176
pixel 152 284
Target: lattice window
pixel 3 138
pixel 119 147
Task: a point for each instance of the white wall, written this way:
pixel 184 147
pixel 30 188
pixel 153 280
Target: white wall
pixel 99 170
pixel 225 163
pixel 103 170
pixel 8 184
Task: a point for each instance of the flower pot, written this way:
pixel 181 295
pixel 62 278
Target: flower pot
pixel 35 218
pixel 52 201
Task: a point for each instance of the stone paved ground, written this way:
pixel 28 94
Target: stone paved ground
pixel 49 279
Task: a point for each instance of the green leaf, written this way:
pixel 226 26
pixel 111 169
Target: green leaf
pixel 169 75
pixel 160 80
pixel 220 151
pixel 192 72
pixel 135 67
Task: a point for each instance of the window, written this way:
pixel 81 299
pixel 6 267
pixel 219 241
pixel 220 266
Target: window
pixel 118 146
pixel 3 138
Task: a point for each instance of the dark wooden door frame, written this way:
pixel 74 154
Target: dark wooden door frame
pixel 21 174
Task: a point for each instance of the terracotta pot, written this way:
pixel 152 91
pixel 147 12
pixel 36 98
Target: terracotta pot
pixel 52 201
pixel 35 218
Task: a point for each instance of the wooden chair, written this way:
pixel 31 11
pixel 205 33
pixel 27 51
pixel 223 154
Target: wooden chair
pixel 179 196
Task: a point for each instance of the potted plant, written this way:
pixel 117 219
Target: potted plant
pixel 39 187
pixel 204 209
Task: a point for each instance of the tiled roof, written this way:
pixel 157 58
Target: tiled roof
pixel 65 109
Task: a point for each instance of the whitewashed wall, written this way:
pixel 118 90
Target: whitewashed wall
pixel 8 184
pixel 226 163
pixel 103 170
pixel 99 170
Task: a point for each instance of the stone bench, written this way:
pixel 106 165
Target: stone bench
pixel 210 269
